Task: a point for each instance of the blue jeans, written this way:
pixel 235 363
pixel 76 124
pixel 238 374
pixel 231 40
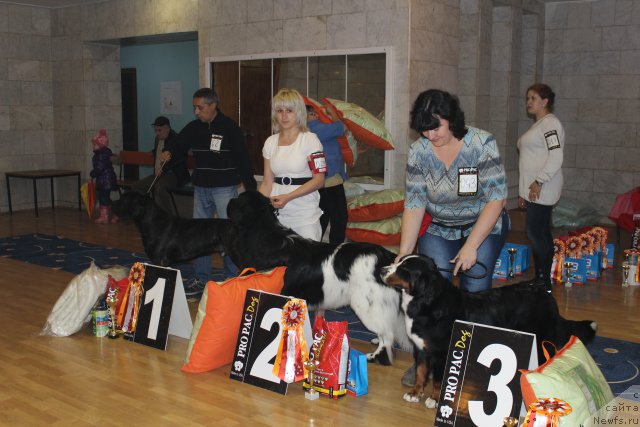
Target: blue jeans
pixel 539 233
pixel 206 202
pixel 442 251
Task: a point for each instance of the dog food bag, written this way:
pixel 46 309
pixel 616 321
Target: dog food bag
pixel 330 351
pixel 358 378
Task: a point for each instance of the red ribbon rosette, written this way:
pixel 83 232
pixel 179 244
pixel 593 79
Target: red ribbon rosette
pixel 559 249
pixel 588 244
pixel 573 247
pixel 546 412
pixel 596 236
pixel 128 313
pixel 292 350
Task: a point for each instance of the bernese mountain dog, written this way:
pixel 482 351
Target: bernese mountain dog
pixel 431 304
pixel 327 276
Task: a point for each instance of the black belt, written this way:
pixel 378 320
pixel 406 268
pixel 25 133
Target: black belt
pixel 461 227
pixel 285 180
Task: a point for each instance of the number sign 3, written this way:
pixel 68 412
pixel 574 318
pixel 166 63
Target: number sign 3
pixel 481 383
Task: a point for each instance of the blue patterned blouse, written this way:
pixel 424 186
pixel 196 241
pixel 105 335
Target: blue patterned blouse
pixel 431 186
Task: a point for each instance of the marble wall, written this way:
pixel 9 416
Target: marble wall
pixel 60 76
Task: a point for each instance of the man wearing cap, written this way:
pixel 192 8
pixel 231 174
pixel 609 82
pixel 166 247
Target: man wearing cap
pixel 170 168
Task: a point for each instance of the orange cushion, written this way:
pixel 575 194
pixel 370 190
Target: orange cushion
pixel 376 205
pixel 366 128
pixel 348 148
pixel 215 330
pixel 385 232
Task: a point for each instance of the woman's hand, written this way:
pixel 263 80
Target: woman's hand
pixel 465 259
pixel 534 191
pixel 279 201
pixel 522 203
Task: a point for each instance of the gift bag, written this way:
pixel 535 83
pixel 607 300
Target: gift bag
pixel 330 352
pixel 358 376
pixel 573 376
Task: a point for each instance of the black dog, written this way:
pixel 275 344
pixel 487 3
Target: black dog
pixel 168 239
pixel 432 304
pixel 327 276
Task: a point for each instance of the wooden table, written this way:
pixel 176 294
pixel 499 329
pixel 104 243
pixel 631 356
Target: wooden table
pixel 35 175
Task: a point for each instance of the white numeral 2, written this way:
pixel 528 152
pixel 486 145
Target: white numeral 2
pixel 261 367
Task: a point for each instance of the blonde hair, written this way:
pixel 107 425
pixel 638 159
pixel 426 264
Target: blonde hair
pixel 291 100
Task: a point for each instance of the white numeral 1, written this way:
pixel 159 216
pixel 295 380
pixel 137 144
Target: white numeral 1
pixel 155 294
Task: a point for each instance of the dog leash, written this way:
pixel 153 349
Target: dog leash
pixel 157 176
pixel 471 276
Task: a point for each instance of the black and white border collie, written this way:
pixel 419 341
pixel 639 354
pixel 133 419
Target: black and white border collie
pixel 327 276
pixel 432 303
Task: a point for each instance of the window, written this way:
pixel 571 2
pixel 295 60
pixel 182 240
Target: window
pixel 246 84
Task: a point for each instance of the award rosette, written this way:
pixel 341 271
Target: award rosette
pixel 128 312
pixel 573 247
pixel 292 353
pixel 602 234
pixel 588 243
pixel 559 249
pixel 546 412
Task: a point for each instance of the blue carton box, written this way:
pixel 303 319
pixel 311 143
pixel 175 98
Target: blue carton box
pixel 577 272
pixel 521 261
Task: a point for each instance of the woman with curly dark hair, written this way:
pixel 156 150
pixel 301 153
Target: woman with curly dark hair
pixel 454 174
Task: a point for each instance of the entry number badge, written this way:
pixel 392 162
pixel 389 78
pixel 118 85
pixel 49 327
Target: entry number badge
pixel 467 181
pixel 552 140
pixel 216 143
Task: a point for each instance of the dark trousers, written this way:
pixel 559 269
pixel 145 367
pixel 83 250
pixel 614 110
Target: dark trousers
pixel 333 203
pixel 539 234
pixel 104 197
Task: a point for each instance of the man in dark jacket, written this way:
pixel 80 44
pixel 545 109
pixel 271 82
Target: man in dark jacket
pixel 222 163
pixel 170 168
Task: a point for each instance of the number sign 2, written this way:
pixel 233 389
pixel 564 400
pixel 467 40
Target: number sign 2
pixel 163 308
pixel 258 340
pixel 481 383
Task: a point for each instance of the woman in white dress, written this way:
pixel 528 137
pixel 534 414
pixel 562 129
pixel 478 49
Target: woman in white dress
pixel 293 166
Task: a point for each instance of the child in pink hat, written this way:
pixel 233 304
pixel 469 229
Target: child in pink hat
pixel 104 175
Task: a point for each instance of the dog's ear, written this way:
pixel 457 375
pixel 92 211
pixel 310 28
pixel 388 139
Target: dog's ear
pixel 250 209
pixel 426 283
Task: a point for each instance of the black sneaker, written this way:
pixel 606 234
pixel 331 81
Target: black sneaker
pixel 194 288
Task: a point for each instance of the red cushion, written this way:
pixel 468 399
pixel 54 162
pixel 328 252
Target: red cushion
pixel 345 149
pixel 363 125
pixel 376 206
pixel 385 232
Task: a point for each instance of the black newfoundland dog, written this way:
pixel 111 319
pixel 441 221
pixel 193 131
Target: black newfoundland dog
pixel 168 239
pixel 432 304
pixel 327 276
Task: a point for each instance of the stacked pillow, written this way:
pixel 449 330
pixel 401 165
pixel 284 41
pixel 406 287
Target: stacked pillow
pixel 376 217
pixel 347 142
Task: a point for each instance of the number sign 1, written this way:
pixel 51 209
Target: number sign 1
pixel 481 383
pixel 258 340
pixel 163 308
